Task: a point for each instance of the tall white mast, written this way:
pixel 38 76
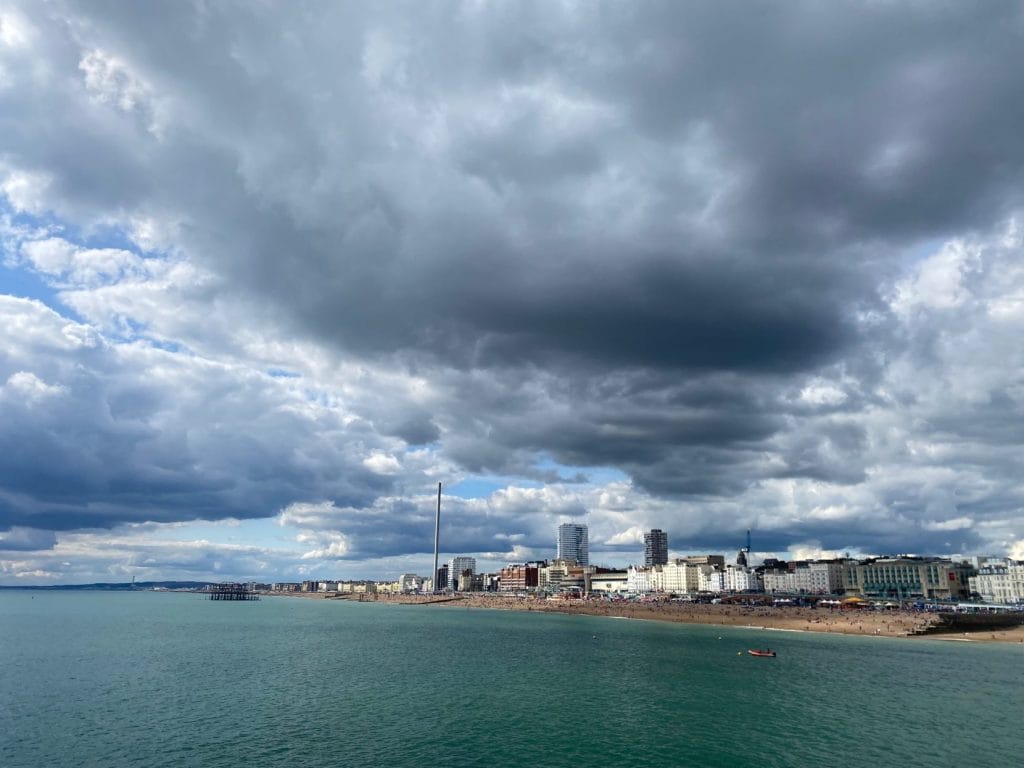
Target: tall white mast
pixel 437 538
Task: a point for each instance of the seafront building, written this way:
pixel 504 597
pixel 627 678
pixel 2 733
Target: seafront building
pixel 673 577
pixel 609 582
pixel 655 547
pixel 929 578
pixel 573 544
pixel 550 575
pixel 703 573
pixel 711 580
pixel 410 582
pixel 1001 583
pixel 739 578
pixel 680 576
pixel 638 580
pixel 563 576
pixel 323 586
pixel 460 573
pixel 365 587
pixel 519 577
pixel 806 578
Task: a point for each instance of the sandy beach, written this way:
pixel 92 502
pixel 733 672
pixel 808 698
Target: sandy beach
pixel 827 620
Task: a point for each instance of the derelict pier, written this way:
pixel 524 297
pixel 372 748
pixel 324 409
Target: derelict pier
pixel 231 592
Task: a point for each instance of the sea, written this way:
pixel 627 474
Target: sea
pixel 153 679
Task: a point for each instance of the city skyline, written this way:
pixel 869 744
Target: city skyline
pixel 671 265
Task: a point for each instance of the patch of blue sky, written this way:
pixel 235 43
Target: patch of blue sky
pixel 129 330
pixel 19 280
pixel 108 237
pixel 40 224
pixel 281 373
pixel 26 284
pixel 168 346
pixel 16 280
pixel 102 235
pixel 604 475
pixel 920 251
pixel 571 474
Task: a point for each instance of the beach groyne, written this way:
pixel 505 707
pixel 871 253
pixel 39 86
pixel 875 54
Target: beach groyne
pixel 947 623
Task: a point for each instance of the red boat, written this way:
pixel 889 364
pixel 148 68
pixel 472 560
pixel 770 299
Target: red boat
pixel 757 652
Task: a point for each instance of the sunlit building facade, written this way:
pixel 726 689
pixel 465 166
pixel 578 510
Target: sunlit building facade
pixel 1000 583
pixel 908 577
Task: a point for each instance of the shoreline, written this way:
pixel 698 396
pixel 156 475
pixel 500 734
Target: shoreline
pixel 860 623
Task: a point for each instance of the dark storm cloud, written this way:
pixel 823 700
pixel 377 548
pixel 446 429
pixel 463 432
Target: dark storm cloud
pixel 414 428
pixel 817 136
pixel 852 120
pixel 26 540
pixel 823 127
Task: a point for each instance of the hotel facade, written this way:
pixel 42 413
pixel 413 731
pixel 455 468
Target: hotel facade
pixel 908 577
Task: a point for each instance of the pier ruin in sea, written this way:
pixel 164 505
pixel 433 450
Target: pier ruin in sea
pixel 231 592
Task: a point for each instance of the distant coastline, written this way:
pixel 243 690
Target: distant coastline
pixel 99 586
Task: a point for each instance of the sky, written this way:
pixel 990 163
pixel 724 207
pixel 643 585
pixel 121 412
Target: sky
pixel 270 272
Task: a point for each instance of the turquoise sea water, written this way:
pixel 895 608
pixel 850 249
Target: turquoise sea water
pixel 153 679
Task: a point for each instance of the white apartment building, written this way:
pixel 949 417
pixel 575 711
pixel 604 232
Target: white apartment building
pixel 679 577
pixel 823 578
pixel 689 575
pixel 638 579
pixel 357 587
pixel 779 581
pixel 710 579
pixel 741 579
pixel 410 582
pixel 1000 583
pixel 672 577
